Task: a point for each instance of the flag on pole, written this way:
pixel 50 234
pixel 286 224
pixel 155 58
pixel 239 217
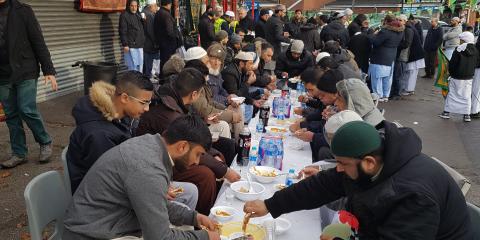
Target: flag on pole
pixel 442 72
pixel 452 3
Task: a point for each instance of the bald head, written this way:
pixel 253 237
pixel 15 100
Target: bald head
pixel 434 22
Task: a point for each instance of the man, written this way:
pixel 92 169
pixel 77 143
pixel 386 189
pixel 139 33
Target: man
pixel 386 185
pixel 415 61
pixel 132 36
pixel 265 78
pixel 246 21
pixel 275 34
pixel 166 32
pixel 310 36
pixel 173 101
pixel 417 24
pixel 22 48
pixel 322 22
pixel 150 49
pixel 451 37
pixel 224 23
pixel 261 26
pixel 296 23
pixel 461 69
pixel 400 71
pixel 99 116
pixel 294 61
pixel 206 29
pixel 336 30
pixel 432 42
pixel 125 192
pixel 234 46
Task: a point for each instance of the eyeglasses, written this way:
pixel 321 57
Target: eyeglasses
pixel 143 102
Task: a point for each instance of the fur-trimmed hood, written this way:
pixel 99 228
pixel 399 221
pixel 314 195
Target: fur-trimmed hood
pixel 97 106
pixel 394 27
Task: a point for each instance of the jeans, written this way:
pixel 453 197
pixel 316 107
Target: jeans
pixel 247 112
pixel 148 62
pixel 19 103
pixel 134 59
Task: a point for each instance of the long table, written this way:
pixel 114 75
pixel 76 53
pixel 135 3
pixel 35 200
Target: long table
pixel 306 224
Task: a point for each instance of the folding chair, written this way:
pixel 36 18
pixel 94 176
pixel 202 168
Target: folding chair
pixel 66 175
pixel 462 181
pixel 46 201
pixel 474 212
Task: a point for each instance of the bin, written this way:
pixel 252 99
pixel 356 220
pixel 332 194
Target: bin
pixel 95 71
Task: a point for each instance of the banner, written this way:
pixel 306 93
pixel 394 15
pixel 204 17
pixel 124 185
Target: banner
pixel 104 6
pixel 442 73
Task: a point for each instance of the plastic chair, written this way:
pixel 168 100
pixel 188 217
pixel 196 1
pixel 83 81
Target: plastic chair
pixel 66 175
pixel 474 212
pixel 46 201
pixel 462 181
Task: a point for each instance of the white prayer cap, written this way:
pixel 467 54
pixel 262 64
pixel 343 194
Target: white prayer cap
pixel 467 37
pixel 230 14
pixel 322 55
pixel 149 2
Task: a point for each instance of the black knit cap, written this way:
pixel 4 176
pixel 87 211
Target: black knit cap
pixel 165 2
pixel 328 82
pixel 264 11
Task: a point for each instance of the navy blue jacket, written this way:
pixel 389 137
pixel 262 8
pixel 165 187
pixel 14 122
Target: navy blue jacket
pixel 93 136
pixel 384 45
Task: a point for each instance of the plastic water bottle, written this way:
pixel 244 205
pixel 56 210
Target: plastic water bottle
pixel 270 154
pixel 259 130
pixel 290 177
pixel 281 109
pixel 252 160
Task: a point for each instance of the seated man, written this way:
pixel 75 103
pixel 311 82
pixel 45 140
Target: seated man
pixel 388 183
pixel 125 191
pixel 265 78
pixel 293 62
pixel 173 101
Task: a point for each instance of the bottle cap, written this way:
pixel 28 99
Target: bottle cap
pixel 291 170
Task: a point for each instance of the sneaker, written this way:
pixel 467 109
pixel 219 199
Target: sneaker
pixel 381 100
pixel 13 161
pixel 385 99
pixel 444 115
pixel 475 115
pixel 404 94
pixel 45 153
pixel 466 118
pixel 411 93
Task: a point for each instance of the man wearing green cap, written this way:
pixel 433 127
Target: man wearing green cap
pixel 394 190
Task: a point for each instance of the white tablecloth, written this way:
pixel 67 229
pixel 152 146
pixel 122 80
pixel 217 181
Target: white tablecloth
pixel 306 224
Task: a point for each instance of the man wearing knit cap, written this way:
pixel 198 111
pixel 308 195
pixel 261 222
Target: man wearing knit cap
pixel 261 26
pixel 294 61
pixel 232 48
pixel 387 182
pixel 222 38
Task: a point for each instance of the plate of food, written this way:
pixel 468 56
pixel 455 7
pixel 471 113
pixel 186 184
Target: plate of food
pixel 264 174
pixel 223 213
pixel 241 190
pixel 276 129
pixel 233 230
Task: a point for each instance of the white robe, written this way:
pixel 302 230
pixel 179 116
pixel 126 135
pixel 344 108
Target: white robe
pixel 412 71
pixel 476 92
pixel 459 98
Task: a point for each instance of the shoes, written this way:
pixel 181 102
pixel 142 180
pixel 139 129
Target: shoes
pixel 395 97
pixel 45 153
pixel 466 118
pixel 407 93
pixel 380 100
pixel 444 115
pixel 475 115
pixel 13 161
pixel 385 99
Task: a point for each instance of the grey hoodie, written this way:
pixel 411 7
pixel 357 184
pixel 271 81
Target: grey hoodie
pixel 359 99
pixel 125 193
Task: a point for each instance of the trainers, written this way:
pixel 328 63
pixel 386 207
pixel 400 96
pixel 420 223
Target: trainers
pixel 404 93
pixel 444 115
pixel 475 115
pixel 13 161
pixel 45 153
pixel 466 118
pixel 385 99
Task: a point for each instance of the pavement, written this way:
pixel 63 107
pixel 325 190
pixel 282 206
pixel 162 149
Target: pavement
pixel 452 141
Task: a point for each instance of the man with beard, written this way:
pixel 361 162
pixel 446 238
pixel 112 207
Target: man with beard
pixel 125 192
pixel 275 34
pixel 261 26
pixel 386 184
pixel 132 36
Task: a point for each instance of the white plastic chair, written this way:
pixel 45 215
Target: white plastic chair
pixel 46 201
pixel 66 175
pixel 474 213
pixel 462 181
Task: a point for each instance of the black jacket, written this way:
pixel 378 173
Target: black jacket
pixel 261 29
pixel 286 63
pixel 94 134
pixel 294 27
pixel 26 46
pixel 310 37
pixel 274 32
pixel 416 49
pixel 360 46
pixel 131 30
pixel 206 29
pixel 384 45
pixel 413 197
pixel 335 31
pixel 235 82
pixel 246 23
pixel 151 45
pixel 166 31
pixel 263 75
pixel 462 64
pixel 433 40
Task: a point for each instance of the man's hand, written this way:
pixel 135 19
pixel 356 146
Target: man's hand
pixel 251 77
pixel 232 176
pixel 206 222
pixel 309 171
pixel 295 126
pixel 258 103
pixel 171 194
pixel 298 110
pixel 304 135
pixel 126 49
pixel 213 118
pixel 52 80
pixel 257 206
pixel 213 235
pixel 303 98
pixel 328 112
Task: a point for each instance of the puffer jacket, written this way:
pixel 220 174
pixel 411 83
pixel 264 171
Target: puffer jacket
pixel 310 37
pixel 385 43
pixel 451 37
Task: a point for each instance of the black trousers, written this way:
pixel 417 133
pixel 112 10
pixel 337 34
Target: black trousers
pixel 430 58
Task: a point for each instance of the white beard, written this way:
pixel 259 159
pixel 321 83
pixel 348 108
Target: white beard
pixel 214 72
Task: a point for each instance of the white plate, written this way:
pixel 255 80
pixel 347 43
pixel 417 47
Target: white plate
pixel 294 80
pixel 282 225
pixel 238 100
pixel 264 179
pixel 257 188
pixel 230 210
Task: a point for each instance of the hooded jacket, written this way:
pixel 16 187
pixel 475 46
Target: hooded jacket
pixel 360 46
pixel 131 29
pixel 286 63
pixel 346 57
pixel 385 43
pixel 335 31
pixel 462 64
pixel 167 107
pixel 310 37
pixel 413 197
pixel 97 130
pixel 359 99
pixel 235 82
pixel 416 49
